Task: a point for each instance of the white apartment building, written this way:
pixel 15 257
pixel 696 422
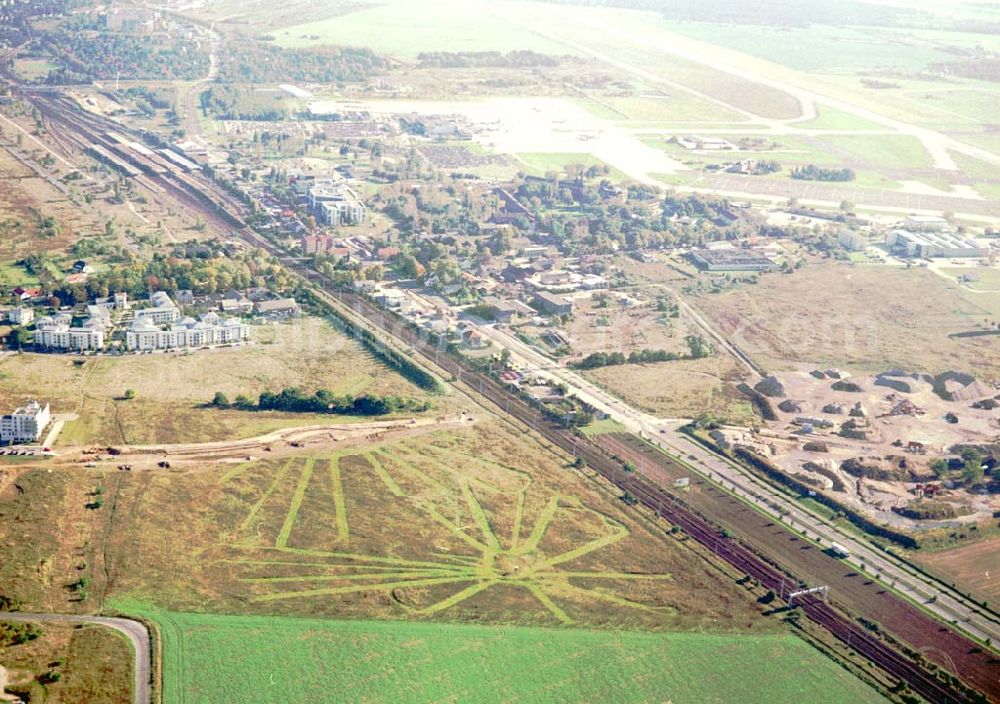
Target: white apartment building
pixel 21 316
pixel 335 203
pixel 143 335
pixel 25 424
pixel 164 310
pixel 56 334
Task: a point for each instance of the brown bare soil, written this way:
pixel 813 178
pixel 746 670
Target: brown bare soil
pixel 974 567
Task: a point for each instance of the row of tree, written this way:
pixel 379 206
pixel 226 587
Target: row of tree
pixel 697 345
pixel 296 400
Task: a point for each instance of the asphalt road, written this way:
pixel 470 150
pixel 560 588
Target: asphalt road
pixel 133 630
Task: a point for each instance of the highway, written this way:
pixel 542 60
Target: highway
pixel 933 596
pixel 136 633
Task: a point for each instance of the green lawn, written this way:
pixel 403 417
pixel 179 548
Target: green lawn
pixel 607 425
pixel 406 28
pixel 209 659
pixel 884 151
pixel 13 275
pixel 819 48
pixel 538 163
pixel 832 119
pixel 986 279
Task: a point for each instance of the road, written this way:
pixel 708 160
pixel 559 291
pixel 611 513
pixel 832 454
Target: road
pixel 945 603
pixel 133 630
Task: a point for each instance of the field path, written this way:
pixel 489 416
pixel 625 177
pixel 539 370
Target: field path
pixel 136 633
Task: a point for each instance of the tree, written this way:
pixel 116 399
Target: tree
pixel 129 394
pixel 220 400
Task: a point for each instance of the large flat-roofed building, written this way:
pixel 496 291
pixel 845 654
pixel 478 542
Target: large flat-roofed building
pixel 211 329
pixel 56 334
pixel 335 203
pixel 926 223
pixel 931 245
pixel 731 260
pixel 551 303
pixel 25 424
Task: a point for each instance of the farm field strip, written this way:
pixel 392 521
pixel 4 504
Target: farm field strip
pixel 221 659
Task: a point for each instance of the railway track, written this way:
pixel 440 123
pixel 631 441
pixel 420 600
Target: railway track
pixel 600 454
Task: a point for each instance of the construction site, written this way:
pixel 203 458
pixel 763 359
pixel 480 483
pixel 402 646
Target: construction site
pixel 909 450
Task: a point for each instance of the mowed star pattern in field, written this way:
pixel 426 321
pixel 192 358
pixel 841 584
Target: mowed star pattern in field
pixel 491 538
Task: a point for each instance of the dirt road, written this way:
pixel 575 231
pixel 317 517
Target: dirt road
pixel 133 630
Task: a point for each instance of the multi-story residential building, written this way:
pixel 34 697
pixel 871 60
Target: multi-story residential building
pixel 163 311
pixel 56 334
pixel 187 333
pixel 25 424
pixel 21 315
pixel 335 203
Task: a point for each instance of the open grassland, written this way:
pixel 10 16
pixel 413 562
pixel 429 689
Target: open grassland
pixel 681 389
pixel 974 567
pixel 833 119
pixel 221 659
pixel 75 664
pixel 655 106
pixel 171 390
pixel 819 48
pixel 879 151
pixel 540 163
pixel 980 278
pixel 405 29
pixel 482 524
pixel 636 42
pixel 862 317
pixel 13 275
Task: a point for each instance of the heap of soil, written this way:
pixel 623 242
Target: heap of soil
pixel 848 386
pixel 957 386
pixel 790 406
pixel 770 386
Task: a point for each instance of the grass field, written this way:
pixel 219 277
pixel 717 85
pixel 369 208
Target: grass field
pixel 171 390
pixel 863 317
pixel 474 525
pixel 983 278
pixel 13 275
pixel 32 69
pixel 880 151
pixel 819 48
pixel 682 389
pixel 405 29
pixel 221 659
pixel 93 664
pixel 833 119
pixel 540 163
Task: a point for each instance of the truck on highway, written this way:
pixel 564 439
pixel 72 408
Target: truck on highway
pixel 839 551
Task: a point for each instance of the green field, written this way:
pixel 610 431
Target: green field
pixel 833 119
pixel 209 659
pixel 406 28
pixel 539 163
pixel 985 279
pixel 819 48
pixel 882 151
pixel 13 275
